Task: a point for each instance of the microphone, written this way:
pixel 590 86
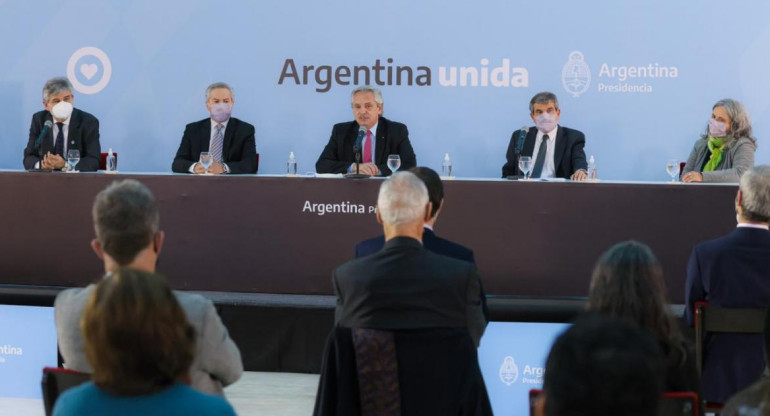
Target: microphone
pixel 357 145
pixel 520 140
pixel 46 126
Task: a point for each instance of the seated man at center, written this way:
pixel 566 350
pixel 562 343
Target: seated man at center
pixel 380 138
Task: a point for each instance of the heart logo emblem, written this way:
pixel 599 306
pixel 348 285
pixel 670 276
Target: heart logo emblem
pixel 89 70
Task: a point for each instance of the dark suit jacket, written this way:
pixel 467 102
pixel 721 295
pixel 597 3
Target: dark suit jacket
pixel 431 242
pixel 405 286
pixel 568 156
pixel 392 138
pixel 238 148
pixel 731 271
pixel 83 135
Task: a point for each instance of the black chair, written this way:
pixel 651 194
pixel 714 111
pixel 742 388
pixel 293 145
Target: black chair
pixel 400 372
pixel 712 319
pixel 55 381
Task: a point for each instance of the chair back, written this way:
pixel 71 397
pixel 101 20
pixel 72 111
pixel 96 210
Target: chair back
pixel 673 403
pixel 55 381
pixel 725 320
pixel 103 160
pixel 679 403
pixel 401 372
pixel 256 163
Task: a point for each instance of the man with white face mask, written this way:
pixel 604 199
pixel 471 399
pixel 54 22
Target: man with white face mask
pixel 229 140
pixel 556 151
pixel 66 128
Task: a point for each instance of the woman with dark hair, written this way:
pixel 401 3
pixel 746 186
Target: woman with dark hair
pixel 140 346
pixel 628 283
pixel 726 149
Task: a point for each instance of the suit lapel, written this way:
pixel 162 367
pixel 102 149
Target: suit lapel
pixel 529 142
pixel 73 135
pixel 205 135
pixel 48 143
pixel 558 151
pixel 229 134
pixel 382 137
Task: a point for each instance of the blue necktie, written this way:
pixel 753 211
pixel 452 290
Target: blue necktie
pixel 58 148
pixel 540 157
pixel 216 145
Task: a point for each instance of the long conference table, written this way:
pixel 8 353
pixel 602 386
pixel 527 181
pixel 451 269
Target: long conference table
pixel 285 235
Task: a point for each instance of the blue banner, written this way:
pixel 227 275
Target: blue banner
pixel 638 78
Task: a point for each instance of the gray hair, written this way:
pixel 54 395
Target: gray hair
pixel 402 200
pixel 55 86
pixel 755 188
pixel 543 97
pixel 126 219
pixel 740 124
pixel 217 85
pixel 368 88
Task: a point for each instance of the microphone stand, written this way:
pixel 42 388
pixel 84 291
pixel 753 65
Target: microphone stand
pixel 358 174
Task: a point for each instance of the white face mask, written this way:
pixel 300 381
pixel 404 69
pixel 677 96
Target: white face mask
pixel 62 110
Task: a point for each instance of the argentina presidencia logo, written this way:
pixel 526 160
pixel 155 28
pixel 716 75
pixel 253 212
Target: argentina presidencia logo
pixel 576 75
pixel 509 372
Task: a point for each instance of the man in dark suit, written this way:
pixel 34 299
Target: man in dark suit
pixel 734 271
pixel 556 151
pixel 405 286
pixel 229 140
pixel 430 240
pixel 69 129
pixel 380 138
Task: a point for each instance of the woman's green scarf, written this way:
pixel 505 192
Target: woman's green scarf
pixel 715 146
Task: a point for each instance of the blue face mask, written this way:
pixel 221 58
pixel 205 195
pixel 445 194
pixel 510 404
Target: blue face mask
pixel 717 128
pixel 545 122
pixel 220 112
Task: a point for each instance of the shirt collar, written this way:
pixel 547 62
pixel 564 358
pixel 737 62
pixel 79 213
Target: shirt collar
pixel 757 226
pixel 224 123
pixel 551 134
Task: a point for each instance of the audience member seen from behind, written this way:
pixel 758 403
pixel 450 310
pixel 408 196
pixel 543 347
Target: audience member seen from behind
pixel 140 346
pixel 628 283
pixel 602 365
pixel 127 224
pixel 754 400
pixel 726 149
pixel 733 271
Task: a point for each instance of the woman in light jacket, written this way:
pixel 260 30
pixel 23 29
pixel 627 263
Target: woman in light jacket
pixel 726 149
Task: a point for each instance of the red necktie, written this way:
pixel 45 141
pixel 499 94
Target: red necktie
pixel 368 147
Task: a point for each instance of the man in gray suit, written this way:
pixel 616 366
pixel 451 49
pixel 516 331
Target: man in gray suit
pixel 405 286
pixel 126 220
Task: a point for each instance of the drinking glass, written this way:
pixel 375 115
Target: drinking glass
pixel 73 157
pixel 205 161
pixel 672 167
pixel 525 164
pixel 394 162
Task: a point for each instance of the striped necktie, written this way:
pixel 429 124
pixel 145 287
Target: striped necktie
pixel 216 144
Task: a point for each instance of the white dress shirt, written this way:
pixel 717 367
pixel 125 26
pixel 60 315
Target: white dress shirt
pixel 758 226
pixel 55 132
pixel 549 170
pixel 363 144
pixel 211 140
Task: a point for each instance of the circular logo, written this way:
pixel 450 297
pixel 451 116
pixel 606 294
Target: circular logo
pixel 576 75
pixel 89 70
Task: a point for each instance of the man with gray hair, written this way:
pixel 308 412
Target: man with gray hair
pixel 734 271
pixel 229 141
pixel 126 222
pixel 556 151
pixel 59 128
pixel 405 286
pixel 371 136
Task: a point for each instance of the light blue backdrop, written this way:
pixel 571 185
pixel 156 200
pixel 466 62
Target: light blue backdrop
pixel 164 53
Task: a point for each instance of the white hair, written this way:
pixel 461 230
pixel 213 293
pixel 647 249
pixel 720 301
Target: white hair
pixel 402 200
pixel 218 85
pixel 755 188
pixel 368 88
